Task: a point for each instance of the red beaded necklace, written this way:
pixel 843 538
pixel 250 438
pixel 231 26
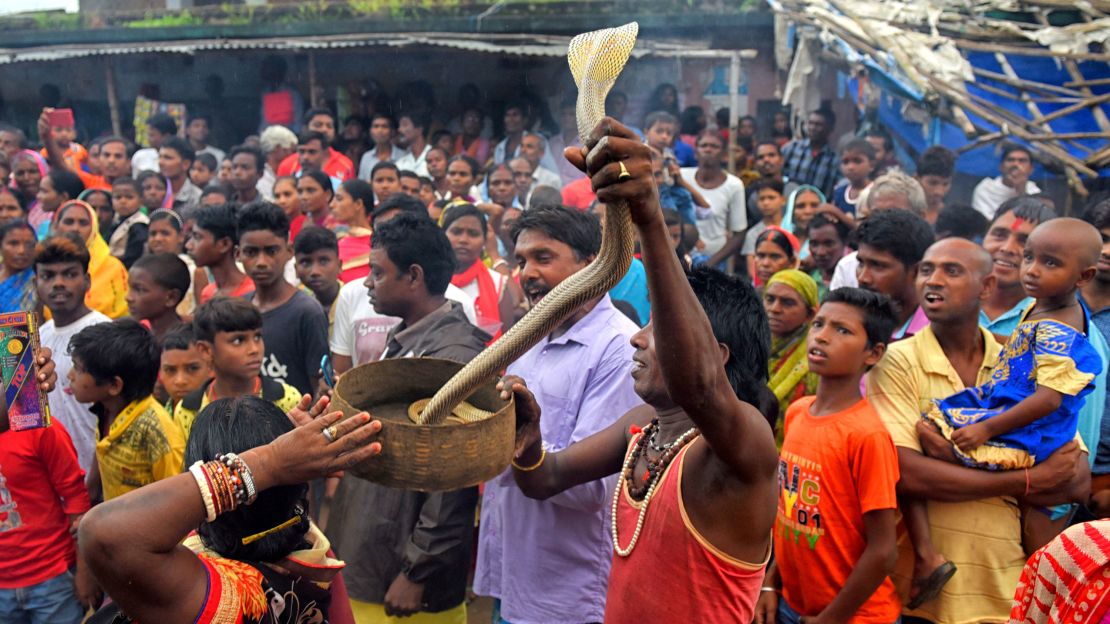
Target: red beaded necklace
pixel 656 468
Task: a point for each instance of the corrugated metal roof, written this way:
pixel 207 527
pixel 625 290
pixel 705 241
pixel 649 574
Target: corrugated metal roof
pixel 522 45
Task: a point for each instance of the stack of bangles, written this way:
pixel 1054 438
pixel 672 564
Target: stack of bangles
pixel 225 483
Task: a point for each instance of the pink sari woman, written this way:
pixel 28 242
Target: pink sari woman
pixel 28 170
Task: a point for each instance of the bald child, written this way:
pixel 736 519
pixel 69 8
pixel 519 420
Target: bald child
pixel 1030 406
pixel 1061 256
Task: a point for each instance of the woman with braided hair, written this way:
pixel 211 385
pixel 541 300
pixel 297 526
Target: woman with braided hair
pixel 229 540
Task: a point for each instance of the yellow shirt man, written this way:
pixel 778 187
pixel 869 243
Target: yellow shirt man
pixel 143 445
pixel 982 537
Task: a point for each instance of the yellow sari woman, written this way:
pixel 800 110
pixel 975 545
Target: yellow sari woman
pixel 790 299
pixel 109 277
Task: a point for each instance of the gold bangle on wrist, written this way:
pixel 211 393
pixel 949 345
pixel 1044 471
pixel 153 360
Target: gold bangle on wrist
pixel 543 456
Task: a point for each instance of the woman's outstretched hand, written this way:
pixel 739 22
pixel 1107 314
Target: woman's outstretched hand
pixel 306 453
pixel 306 411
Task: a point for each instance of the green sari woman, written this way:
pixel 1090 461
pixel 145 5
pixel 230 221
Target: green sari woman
pixel 790 299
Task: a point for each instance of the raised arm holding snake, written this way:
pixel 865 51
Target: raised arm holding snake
pixel 704 469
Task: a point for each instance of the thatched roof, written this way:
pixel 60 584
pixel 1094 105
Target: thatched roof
pixel 1036 72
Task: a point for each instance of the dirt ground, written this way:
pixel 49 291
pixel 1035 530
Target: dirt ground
pixel 480 610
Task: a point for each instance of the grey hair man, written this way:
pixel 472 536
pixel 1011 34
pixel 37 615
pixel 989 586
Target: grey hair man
pixel 277 143
pixel 893 190
pixel 533 148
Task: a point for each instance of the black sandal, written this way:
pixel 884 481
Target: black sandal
pixel 929 587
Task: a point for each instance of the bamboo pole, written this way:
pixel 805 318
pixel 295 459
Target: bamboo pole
pixel 734 107
pixel 1061 155
pixel 963 121
pixel 1100 158
pixel 1021 83
pixel 1028 51
pixel 1100 117
pixel 999 92
pixel 113 99
pixel 1088 83
pixel 979 142
pixel 312 79
pixel 1067 110
pixel 1065 136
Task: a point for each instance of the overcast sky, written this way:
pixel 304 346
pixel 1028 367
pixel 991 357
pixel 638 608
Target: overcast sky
pixel 16 6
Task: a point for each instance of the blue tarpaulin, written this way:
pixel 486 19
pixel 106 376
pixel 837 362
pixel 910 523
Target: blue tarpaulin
pixel 982 161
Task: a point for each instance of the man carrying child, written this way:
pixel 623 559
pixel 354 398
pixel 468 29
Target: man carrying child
pixel 972 514
pixel 1029 408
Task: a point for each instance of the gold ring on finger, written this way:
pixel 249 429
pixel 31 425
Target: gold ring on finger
pixel 624 175
pixel 330 433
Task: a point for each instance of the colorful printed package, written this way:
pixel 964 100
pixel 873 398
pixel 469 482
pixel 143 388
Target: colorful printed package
pixel 19 340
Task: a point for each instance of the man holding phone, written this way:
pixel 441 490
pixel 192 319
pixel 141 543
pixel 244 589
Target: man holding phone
pixel 63 130
pixel 114 161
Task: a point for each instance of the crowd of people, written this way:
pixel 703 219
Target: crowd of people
pixel 823 392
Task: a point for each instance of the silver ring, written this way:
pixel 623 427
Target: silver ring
pixel 329 433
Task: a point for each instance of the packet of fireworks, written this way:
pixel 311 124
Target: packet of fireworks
pixel 19 340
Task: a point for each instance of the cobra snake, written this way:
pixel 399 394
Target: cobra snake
pixel 596 59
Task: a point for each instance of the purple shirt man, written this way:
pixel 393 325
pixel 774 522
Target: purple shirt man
pixel 548 561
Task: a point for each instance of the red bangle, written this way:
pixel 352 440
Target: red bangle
pixel 1027 483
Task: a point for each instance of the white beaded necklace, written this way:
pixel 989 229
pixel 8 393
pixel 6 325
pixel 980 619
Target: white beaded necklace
pixel 680 441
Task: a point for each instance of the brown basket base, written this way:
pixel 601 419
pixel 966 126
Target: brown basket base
pixel 428 458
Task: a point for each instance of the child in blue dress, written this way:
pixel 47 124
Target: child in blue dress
pixel 1030 406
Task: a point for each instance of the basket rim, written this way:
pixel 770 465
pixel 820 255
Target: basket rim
pixel 407 424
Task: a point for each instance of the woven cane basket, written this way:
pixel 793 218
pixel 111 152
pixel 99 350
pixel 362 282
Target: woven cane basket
pixel 428 458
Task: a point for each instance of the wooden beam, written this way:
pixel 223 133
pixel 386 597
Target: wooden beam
pixel 1065 136
pixel 1048 149
pixel 113 99
pixel 1021 83
pixel 1100 158
pixel 979 142
pixel 1028 51
pixel 1088 83
pixel 1092 102
pixel 1100 116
